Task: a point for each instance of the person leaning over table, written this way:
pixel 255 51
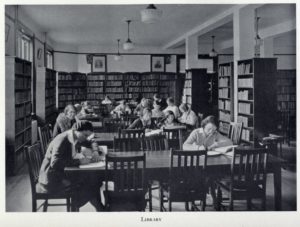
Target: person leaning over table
pixel 145 103
pixel 63 152
pixel 207 136
pixel 188 116
pixel 169 120
pixel 144 122
pixel 65 120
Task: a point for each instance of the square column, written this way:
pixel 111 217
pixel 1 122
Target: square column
pixel 191 52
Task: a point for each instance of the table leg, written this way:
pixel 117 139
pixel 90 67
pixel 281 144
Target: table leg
pixel 277 187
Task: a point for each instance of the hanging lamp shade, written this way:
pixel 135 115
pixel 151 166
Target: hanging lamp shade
pixel 213 52
pixel 151 14
pixel 128 45
pixel 118 56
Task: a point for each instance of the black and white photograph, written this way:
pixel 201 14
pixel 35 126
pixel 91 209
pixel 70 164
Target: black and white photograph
pixel 165 114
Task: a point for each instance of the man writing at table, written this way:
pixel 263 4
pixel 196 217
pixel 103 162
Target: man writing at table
pixel 63 152
pixel 206 137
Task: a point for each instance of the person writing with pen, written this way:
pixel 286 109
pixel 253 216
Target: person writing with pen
pixel 206 137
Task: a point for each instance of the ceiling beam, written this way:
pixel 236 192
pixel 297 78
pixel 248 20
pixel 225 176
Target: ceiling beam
pixel 277 29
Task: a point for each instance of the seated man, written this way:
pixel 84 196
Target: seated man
pixel 206 137
pixel 121 109
pixel 172 107
pixel 144 122
pixel 63 152
pixel 188 116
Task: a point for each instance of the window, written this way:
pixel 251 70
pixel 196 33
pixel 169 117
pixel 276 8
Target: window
pixel 49 55
pixel 25 48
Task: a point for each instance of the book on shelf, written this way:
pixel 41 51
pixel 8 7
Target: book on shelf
pixel 223 82
pixel 245 82
pixel 225 71
pixel 244 68
pixel 245 108
pixel 224 93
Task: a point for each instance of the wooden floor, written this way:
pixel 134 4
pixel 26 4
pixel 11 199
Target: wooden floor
pixel 18 192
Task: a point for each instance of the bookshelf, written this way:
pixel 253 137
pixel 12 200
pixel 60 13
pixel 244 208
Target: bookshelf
pixel 196 91
pixel 95 88
pixel 72 89
pixel 132 85
pixel 257 97
pixel 46 95
pixel 225 98
pixel 17 111
pixel 114 86
pixel 150 84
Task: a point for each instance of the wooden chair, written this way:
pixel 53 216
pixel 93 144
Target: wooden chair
pixel 248 177
pixel 127 144
pixel 45 137
pixel 174 137
pixel 235 132
pixel 187 179
pixel 127 174
pixel 131 133
pixel 34 160
pixel 113 124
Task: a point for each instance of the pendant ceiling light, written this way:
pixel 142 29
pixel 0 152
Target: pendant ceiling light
pixel 118 56
pixel 151 14
pixel 213 53
pixel 258 40
pixel 128 45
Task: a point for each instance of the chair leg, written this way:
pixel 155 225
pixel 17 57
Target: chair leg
pixel 150 198
pixel 68 204
pixel 231 203
pixel 34 205
pixel 219 199
pixel 187 206
pixel 249 204
pixel 161 200
pixel 45 206
pixel 170 205
pixel 263 204
pixel 204 203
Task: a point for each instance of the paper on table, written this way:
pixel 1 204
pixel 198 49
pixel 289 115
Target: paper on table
pixel 93 165
pixel 153 132
pixel 223 150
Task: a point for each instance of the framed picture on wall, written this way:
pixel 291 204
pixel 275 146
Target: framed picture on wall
pixel 158 63
pixel 99 63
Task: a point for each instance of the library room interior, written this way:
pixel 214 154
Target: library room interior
pixel 150 107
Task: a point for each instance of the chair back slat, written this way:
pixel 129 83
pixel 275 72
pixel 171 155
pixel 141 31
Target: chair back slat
pixel 45 137
pixel 34 160
pixel 174 137
pixel 131 133
pixel 113 124
pixel 235 132
pixel 248 167
pixel 155 143
pixel 127 144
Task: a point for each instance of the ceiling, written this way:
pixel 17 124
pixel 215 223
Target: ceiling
pixel 104 24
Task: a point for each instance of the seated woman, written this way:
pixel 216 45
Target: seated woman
pixel 172 107
pixel 206 137
pixel 169 120
pixel 156 112
pixel 62 152
pixel 144 122
pixel 188 116
pixel 121 109
pixel 87 110
pixel 107 100
pixel 65 120
pixel 145 103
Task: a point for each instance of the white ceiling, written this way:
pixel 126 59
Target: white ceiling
pixel 104 24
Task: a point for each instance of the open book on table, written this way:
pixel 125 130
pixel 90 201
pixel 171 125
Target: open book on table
pixel 223 150
pixel 100 164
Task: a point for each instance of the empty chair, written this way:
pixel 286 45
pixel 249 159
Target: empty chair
pixel 127 144
pixel 235 132
pixel 248 177
pixel 34 160
pixel 131 133
pixel 187 179
pixel 174 137
pixel 45 136
pixel 125 183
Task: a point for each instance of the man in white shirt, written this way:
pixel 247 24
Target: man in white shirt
pixel 172 107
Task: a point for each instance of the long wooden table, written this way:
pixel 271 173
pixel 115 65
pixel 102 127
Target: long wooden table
pixel 158 163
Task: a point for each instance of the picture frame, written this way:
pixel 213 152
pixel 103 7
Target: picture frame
pixel 158 63
pixel 99 63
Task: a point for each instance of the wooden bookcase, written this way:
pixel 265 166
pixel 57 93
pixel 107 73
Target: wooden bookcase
pixel 257 97
pixel 150 84
pixel 95 88
pixel 46 95
pixel 72 89
pixel 132 85
pixel 114 86
pixel 196 91
pixel 18 74
pixel 226 96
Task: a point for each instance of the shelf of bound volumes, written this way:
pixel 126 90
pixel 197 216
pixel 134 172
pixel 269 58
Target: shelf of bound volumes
pixel 257 98
pixel 17 111
pixel 225 99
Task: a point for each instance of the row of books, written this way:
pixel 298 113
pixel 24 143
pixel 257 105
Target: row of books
pixel 113 83
pixel 167 83
pixel 22 96
pixel 95 96
pixel 114 89
pixel 95 77
pixel 79 97
pixel 244 68
pixel 76 77
pixel 188 83
pixel 49 101
pixel 225 71
pixel 64 97
pixel 95 84
pixel 224 93
pixel 150 83
pixel 134 89
pixel 286 89
pixel 115 77
pixel 19 141
pixel 150 89
pixel 50 83
pixel 50 93
pixel 95 90
pixel 245 108
pixel 187 91
pixel 224 116
pixel 224 82
pixel 224 127
pixel 166 77
pixel 286 106
pixel 79 91
pixel 22 83
pixel 19 112
pixel 150 77
pixel 22 124
pixel 65 91
pixel 71 84
pixel 132 83
pixel 224 105
pixel 286 98
pixel 27 135
pixel 116 96
pixel 247 135
pixel 64 103
pixel 165 90
pixel 247 121
pixel 244 95
pixel 286 82
pixel 245 82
